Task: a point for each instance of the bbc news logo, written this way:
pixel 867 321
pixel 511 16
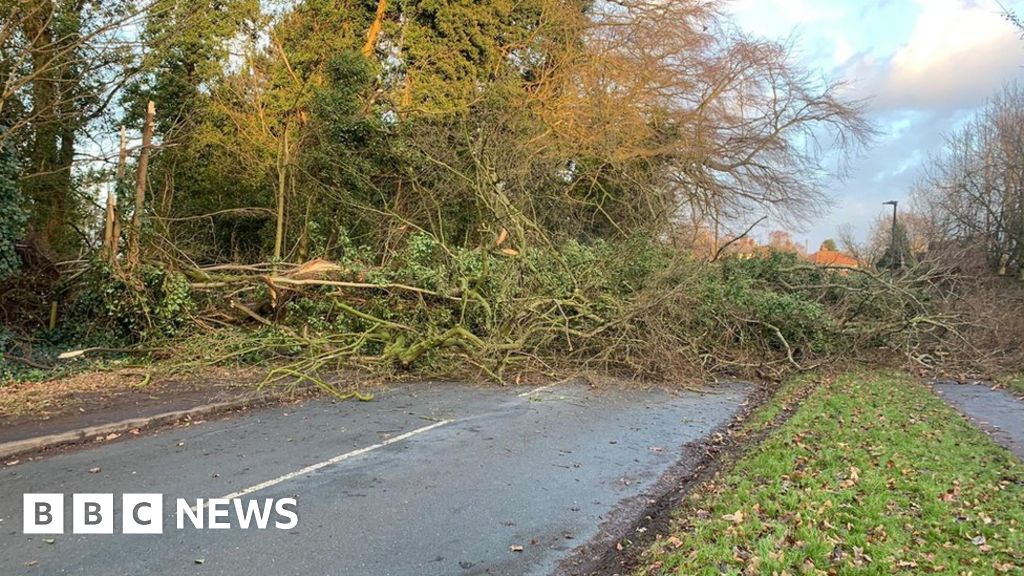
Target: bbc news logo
pixel 144 513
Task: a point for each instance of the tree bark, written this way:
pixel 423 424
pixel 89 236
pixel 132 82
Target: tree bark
pixel 371 34
pixel 282 185
pixel 40 184
pixel 135 232
pixel 112 228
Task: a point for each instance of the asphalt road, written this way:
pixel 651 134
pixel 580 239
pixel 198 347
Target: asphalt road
pixel 428 479
pixel 998 412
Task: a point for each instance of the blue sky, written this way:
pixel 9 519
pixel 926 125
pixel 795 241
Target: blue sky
pixel 926 65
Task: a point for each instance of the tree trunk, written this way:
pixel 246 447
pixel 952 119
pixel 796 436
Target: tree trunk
pixel 112 228
pixel 282 185
pixel 371 34
pixel 135 231
pixel 40 184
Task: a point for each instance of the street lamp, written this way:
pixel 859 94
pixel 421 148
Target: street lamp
pixel 892 236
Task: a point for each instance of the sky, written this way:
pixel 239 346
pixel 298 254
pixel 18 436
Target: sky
pixel 924 65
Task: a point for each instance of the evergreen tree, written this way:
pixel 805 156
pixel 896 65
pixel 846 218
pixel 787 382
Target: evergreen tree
pixel 897 254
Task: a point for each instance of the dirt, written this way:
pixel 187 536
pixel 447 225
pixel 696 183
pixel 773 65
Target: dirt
pixel 33 409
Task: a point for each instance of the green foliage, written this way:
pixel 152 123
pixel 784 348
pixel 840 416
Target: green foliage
pixel 633 303
pixel 187 41
pixel 749 300
pixel 13 213
pixel 420 263
pixel 455 46
pixel 340 104
pixel 110 309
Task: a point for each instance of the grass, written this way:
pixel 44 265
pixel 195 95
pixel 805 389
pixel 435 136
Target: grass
pixel 786 398
pixel 873 474
pixel 1015 384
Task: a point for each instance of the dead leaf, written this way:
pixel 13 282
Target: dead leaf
pixel 852 479
pixel 736 517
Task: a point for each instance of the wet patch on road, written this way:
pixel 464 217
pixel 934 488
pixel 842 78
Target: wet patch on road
pixel 996 411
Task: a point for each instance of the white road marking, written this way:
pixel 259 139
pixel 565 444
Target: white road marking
pixel 536 390
pixel 332 461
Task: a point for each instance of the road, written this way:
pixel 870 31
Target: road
pixel 428 479
pixel 998 412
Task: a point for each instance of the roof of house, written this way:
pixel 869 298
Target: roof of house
pixel 833 258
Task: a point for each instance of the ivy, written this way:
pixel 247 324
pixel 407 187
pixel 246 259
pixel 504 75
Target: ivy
pixel 13 214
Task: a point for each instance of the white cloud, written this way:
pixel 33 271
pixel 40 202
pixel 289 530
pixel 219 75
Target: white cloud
pixel 958 53
pixel 926 65
pixel 778 18
pixel 843 51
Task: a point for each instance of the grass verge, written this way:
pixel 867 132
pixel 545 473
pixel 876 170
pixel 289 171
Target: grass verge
pixel 873 474
pixel 1015 384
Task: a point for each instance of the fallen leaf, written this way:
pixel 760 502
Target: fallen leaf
pixel 852 479
pixel 736 517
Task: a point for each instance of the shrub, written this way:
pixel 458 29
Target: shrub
pixel 106 307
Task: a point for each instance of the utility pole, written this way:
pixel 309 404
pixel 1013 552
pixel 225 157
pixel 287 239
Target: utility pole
pixel 898 260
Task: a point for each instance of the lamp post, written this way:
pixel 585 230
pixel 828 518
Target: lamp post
pixel 892 236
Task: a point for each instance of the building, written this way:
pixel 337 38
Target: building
pixel 833 258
